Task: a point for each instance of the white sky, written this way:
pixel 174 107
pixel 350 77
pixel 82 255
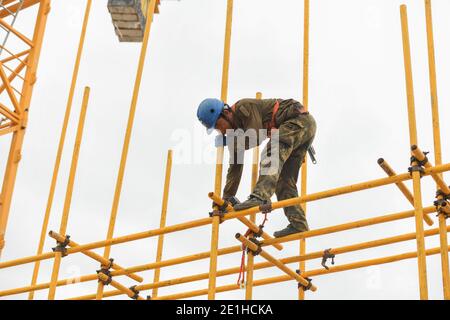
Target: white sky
pixel 357 95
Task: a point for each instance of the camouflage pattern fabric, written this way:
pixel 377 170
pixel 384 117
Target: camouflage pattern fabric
pixel 295 137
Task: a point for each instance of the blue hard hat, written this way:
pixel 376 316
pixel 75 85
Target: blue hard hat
pixel 209 111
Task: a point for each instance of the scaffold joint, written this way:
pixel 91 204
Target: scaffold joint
pixel 217 213
pixel 327 255
pixel 308 286
pixel 419 169
pixel 232 201
pixel 418 165
pixel 106 273
pixel 442 194
pixel 442 204
pixel 421 163
pixel 223 208
pixel 106 270
pixel 62 246
pixel 266 207
pixel 135 291
pixel 260 231
pixel 109 265
pixel 258 244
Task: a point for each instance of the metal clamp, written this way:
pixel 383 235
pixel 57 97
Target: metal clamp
pixel 224 207
pixel 266 207
pixel 258 250
pixel 440 193
pixel 135 291
pixel 441 202
pixel 308 286
pixel 327 255
pixel 418 165
pixel 106 273
pixel 109 265
pixel 62 246
pixel 260 232
pixel 416 168
pixel 421 163
pixel 106 270
pixel 217 213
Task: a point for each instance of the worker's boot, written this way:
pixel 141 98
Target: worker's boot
pixel 252 201
pixel 287 231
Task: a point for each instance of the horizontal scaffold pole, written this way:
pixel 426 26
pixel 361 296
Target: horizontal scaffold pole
pixel 402 187
pixel 130 293
pixel 276 205
pixel 255 229
pixel 257 250
pixel 95 256
pixel 311 273
pixel 231 250
pixel 264 265
pixel 308 234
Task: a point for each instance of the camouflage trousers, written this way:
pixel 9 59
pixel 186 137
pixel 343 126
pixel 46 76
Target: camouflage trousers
pixel 295 136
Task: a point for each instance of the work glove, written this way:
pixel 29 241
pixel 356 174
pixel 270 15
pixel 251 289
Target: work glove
pixel 232 200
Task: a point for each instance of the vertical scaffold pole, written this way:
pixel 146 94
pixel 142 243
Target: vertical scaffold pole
pixel 219 157
pixel 304 174
pixel 421 256
pixel 437 144
pixel 60 147
pixel 250 257
pixel 126 144
pixel 162 224
pixel 69 192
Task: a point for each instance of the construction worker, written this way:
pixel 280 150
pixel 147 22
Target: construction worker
pixel 294 128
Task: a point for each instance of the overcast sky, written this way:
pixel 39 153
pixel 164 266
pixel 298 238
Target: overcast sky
pixel 357 95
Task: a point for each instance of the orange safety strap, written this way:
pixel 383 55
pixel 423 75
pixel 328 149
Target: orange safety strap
pixel 241 279
pixel 272 123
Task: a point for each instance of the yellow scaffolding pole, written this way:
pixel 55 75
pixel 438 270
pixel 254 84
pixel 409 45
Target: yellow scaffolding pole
pixel 61 146
pixel 235 249
pixel 419 213
pixel 401 186
pixel 304 170
pixel 233 215
pixel 250 257
pixel 311 273
pixel 126 144
pixel 258 266
pixel 257 250
pixel 59 250
pixel 159 251
pixel 421 256
pixel 219 156
pixel 437 143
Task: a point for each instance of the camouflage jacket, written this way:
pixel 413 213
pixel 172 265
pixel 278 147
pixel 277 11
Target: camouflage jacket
pixel 253 114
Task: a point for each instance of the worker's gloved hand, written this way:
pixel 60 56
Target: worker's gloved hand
pixel 232 200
